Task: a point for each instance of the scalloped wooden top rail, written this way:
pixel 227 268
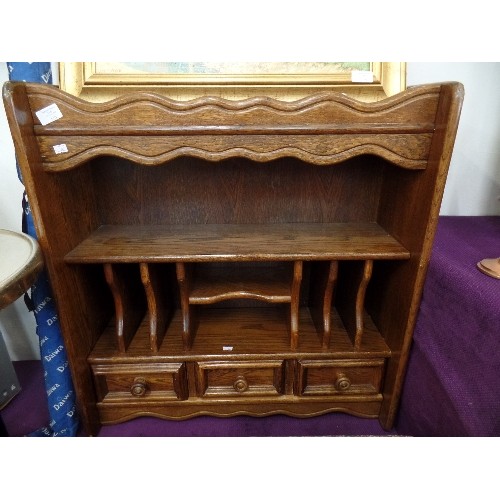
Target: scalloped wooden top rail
pixel 150 129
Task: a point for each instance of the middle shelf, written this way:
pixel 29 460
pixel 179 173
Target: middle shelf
pixel 154 270
pixel 237 242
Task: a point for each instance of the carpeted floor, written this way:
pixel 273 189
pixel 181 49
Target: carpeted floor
pixel 28 412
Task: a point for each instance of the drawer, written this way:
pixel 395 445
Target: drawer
pixel 318 377
pixel 140 382
pixel 241 378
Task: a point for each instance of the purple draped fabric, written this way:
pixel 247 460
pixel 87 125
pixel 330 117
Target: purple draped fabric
pixel 452 386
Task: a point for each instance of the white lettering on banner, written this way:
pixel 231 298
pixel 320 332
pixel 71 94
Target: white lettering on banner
pixel 42 341
pixel 54 353
pixel 61 368
pixel 42 304
pixel 52 320
pixel 52 389
pixel 46 76
pixel 61 403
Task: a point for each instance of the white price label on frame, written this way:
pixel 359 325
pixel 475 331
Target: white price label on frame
pixel 358 76
pixel 49 114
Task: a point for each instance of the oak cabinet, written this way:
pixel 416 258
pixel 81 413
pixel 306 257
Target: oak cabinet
pixel 227 257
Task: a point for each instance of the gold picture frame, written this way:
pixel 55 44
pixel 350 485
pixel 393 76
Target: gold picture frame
pixel 99 82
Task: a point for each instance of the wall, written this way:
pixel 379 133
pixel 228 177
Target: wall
pixel 473 186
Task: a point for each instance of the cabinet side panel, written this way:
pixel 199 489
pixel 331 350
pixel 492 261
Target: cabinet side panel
pixel 64 213
pixel 409 210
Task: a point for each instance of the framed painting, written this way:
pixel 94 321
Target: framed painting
pixel 101 81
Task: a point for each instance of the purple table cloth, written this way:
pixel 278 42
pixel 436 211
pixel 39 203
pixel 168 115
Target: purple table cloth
pixel 452 387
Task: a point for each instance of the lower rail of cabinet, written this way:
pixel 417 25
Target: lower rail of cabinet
pixel 368 407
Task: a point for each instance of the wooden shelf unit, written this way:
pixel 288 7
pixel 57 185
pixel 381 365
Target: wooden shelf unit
pixel 227 257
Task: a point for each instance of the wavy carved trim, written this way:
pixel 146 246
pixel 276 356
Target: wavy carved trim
pixel 300 154
pixel 130 116
pixel 35 90
pixel 411 112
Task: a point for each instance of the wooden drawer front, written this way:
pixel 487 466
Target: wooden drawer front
pixel 136 382
pixel 244 378
pixel 316 377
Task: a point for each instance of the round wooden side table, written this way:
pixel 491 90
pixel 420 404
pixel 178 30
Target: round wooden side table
pixel 20 263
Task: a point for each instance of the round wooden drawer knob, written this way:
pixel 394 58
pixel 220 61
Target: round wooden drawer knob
pixel 139 387
pixel 342 383
pixel 241 384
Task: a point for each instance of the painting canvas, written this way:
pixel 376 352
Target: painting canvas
pixel 231 68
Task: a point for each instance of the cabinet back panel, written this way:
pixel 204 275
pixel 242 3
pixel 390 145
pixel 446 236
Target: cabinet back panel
pixel 238 191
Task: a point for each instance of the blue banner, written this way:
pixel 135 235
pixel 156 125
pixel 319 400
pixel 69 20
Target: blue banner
pixel 61 399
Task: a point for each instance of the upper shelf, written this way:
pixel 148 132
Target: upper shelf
pixel 231 242
pixel 149 129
